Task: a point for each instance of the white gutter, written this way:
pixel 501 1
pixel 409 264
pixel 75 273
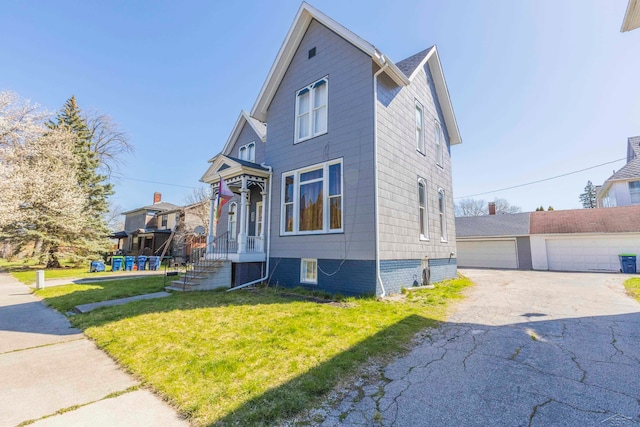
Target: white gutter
pixel 266 276
pixel 375 166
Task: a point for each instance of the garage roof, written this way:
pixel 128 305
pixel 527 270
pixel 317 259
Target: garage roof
pixel 600 220
pixel 499 225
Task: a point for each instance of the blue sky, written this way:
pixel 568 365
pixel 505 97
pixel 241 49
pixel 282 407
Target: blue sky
pixel 539 88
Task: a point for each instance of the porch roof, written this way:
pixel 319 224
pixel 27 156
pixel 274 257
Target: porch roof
pixel 227 168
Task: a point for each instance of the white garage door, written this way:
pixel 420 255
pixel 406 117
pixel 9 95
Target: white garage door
pixel 597 253
pixel 487 253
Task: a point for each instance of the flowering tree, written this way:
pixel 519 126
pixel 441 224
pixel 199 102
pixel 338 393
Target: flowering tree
pixel 52 197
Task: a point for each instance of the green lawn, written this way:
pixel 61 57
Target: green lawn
pixel 633 287
pixel 26 272
pixel 65 297
pixel 254 357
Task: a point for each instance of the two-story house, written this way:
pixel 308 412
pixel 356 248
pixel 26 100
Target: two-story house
pixel 623 187
pixel 342 169
pixel 148 229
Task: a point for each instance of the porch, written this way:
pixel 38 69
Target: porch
pixel 237 232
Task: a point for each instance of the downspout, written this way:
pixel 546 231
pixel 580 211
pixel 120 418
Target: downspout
pixel 266 276
pixel 383 60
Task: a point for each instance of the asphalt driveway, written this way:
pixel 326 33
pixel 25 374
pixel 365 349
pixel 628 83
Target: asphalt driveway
pixel 524 349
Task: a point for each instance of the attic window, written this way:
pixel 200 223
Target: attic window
pixel 312 52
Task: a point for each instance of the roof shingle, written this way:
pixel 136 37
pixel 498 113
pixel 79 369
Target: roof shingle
pixel 493 225
pixel 600 220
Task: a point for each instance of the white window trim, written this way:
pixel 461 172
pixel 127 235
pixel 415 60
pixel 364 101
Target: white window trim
pixel 424 237
pixel 233 205
pixel 443 215
pixel 420 145
pixel 311 109
pixel 296 200
pixel 439 142
pixel 632 192
pixel 303 278
pixel 246 148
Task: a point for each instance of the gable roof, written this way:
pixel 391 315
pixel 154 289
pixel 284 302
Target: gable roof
pixel 598 220
pixel 412 65
pixel 500 225
pixel 226 166
pixel 258 127
pixel 303 19
pixel 629 171
pixel 160 207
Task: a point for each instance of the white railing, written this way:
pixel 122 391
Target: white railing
pixel 255 244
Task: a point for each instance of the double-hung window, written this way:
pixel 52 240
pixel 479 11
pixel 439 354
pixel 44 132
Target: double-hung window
pixel 247 152
pixel 419 128
pixel 443 217
pixel 634 191
pixel 311 110
pixel 439 137
pixel 423 216
pixel 312 199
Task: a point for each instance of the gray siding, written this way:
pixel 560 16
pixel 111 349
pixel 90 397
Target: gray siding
pixel 524 253
pixel 136 220
pixel 247 135
pixel 400 165
pixel 349 136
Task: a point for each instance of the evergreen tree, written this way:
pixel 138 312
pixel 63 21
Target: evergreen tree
pixel 588 198
pixel 550 208
pixel 93 185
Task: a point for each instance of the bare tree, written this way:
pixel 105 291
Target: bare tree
pixel 108 141
pixel 502 205
pixel 471 207
pixel 478 207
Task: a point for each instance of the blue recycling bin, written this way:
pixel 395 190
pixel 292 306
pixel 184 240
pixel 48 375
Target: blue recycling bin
pixel 142 262
pixel 129 262
pixel 154 263
pixel 627 263
pixel 117 263
pixel 96 266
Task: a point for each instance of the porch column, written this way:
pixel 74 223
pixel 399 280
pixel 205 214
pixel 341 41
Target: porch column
pixel 263 193
pixel 242 237
pixel 211 235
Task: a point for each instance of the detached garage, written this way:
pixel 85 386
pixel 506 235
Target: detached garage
pixel 584 239
pixel 494 241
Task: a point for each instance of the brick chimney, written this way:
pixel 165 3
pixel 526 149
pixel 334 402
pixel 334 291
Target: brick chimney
pixel 492 208
pixel 157 197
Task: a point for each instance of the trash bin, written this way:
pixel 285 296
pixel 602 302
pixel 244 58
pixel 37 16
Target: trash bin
pixel 627 263
pixel 142 262
pixel 154 263
pixel 129 261
pixel 117 263
pixel 96 266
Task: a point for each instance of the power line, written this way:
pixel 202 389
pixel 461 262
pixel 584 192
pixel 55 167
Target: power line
pixel 152 182
pixel 540 180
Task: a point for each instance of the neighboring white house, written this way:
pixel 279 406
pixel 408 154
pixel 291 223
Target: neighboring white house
pixel 623 187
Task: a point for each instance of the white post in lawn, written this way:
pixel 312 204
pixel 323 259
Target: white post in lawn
pixel 242 237
pixel 39 279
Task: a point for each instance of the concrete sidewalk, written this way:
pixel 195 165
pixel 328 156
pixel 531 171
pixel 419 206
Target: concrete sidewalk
pixel 46 365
